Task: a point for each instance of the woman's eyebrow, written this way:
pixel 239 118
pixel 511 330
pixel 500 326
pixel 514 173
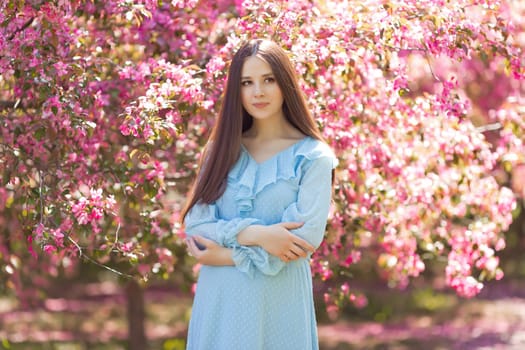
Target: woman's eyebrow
pixel 264 76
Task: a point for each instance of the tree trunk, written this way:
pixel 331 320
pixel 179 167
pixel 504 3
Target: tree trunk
pixel 136 316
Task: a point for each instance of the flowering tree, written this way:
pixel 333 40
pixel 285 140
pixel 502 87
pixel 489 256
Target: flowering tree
pixel 105 105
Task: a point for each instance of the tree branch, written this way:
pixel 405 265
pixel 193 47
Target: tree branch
pixel 93 261
pixel 6 105
pixel 9 104
pixel 27 24
pixel 489 127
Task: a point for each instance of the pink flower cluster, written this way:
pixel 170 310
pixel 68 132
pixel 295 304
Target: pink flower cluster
pixel 155 115
pixel 337 298
pixel 463 258
pixel 51 239
pixel 92 208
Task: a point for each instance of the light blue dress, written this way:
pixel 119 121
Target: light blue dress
pixel 262 303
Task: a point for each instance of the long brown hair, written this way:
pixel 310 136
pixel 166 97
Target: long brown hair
pixel 223 148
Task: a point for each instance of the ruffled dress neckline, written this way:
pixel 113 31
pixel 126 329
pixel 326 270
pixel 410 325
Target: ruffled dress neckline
pixel 269 159
pixel 251 177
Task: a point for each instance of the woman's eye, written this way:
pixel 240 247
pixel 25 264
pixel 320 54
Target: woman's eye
pixel 270 80
pixel 245 83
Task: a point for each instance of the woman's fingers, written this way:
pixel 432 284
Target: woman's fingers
pixel 286 257
pixel 202 243
pixel 197 244
pixel 303 244
pixel 298 251
pixel 293 253
pixel 292 225
pixel 192 247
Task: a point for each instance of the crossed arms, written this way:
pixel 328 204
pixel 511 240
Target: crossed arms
pixel 251 245
pixel 277 240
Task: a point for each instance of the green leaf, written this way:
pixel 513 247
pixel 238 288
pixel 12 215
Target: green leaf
pixel 6 177
pixel 403 92
pixel 174 344
pixel 507 166
pixel 39 133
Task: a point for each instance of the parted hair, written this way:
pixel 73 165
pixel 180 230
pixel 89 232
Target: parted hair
pixel 224 144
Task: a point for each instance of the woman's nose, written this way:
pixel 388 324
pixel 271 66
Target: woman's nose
pixel 258 90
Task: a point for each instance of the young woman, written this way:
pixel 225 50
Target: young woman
pixel 257 210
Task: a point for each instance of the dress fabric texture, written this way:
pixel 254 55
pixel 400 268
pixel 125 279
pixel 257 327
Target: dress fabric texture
pixel 262 303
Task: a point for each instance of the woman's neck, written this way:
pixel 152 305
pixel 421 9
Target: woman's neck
pixel 272 129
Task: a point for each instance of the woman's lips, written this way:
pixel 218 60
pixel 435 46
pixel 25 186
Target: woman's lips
pixel 260 105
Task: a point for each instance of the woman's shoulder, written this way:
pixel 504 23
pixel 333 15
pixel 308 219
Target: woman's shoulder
pixel 312 149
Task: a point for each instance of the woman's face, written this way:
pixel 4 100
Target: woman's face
pixel 260 94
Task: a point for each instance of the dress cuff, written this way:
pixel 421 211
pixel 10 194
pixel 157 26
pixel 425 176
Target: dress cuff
pixel 250 259
pixel 241 259
pixel 231 229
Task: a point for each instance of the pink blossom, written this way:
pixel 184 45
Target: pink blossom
pixel 127 247
pixel 61 68
pixel 39 231
pixel 49 249
pixel 58 238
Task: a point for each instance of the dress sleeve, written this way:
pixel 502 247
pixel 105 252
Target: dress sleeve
pixel 202 219
pixel 312 207
pixel 313 201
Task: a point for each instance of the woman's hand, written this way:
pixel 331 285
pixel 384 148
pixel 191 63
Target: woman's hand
pixel 209 253
pixel 279 241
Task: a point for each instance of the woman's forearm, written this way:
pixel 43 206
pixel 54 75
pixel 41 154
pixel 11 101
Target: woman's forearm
pixel 276 240
pixel 222 257
pixel 251 235
pixel 207 252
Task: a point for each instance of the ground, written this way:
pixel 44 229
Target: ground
pixel 93 317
